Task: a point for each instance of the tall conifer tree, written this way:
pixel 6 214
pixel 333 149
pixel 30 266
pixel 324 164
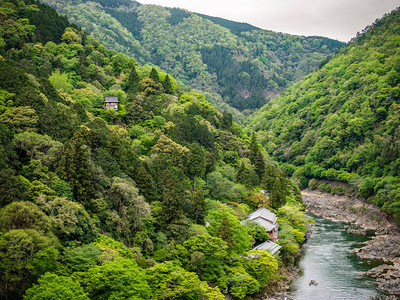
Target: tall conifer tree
pixel 132 84
pixel 167 85
pixel 154 75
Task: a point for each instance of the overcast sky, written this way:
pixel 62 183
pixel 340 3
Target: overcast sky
pixel 338 19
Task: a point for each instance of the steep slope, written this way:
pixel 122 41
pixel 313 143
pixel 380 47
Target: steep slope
pixel 345 117
pixel 111 204
pixel 229 62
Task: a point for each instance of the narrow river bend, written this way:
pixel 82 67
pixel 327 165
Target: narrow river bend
pixel 327 259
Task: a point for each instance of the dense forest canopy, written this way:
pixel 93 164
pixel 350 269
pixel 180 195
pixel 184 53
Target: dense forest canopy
pixel 103 204
pixel 238 67
pixel 343 121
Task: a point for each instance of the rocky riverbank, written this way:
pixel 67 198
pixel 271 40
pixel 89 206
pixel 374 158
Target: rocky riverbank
pixel 278 289
pixel 362 218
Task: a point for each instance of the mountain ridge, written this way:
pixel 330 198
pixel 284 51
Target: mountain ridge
pixel 341 122
pixel 256 65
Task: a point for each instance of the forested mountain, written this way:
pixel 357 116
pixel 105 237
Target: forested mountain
pixel 104 204
pixel 228 62
pixel 343 121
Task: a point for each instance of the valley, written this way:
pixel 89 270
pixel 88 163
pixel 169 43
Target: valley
pixel 136 141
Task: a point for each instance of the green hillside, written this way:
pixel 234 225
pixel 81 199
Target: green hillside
pixel 343 121
pixel 103 204
pixel 230 63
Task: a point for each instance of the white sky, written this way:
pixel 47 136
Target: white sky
pixel 338 19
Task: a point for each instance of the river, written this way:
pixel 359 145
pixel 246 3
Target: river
pixel 327 259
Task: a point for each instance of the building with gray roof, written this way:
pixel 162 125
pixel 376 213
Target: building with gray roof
pixel 111 102
pixel 268 246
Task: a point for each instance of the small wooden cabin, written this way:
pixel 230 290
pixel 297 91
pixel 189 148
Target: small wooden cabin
pixel 111 102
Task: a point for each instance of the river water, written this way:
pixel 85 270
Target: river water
pixel 326 258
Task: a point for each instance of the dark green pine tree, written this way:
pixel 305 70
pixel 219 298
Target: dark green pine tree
pixel 246 176
pixel 241 174
pixel 146 184
pixel 253 149
pixel 224 231
pixel 199 206
pixel 259 164
pixel 275 182
pixel 226 121
pixel 196 163
pixel 167 85
pixel 74 166
pixel 172 198
pixel 256 157
pixel 154 75
pixel 132 84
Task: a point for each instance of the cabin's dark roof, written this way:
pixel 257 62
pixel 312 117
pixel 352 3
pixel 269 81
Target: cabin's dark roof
pixel 111 99
pixel 263 213
pixel 268 246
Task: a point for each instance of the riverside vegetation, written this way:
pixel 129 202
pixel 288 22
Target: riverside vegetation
pixel 238 67
pixel 105 204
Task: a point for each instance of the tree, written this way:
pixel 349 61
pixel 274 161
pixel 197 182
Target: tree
pixel 173 197
pixel 195 162
pixel 54 287
pixel 24 255
pixel 154 75
pixel 130 207
pixel 112 249
pixel 207 257
pixel 290 248
pixel 148 86
pixel 172 282
pixel 81 259
pixel 198 206
pixel 241 283
pixel 259 164
pixel 223 189
pixel 226 121
pixel 37 146
pixel 225 225
pixel 118 279
pixel 256 230
pixel 71 36
pixel 145 183
pixel 246 175
pixel 24 215
pixel 253 148
pixel 20 119
pixel 275 182
pixel 132 84
pixel 261 265
pixel 167 85
pixel 74 166
pixel 70 221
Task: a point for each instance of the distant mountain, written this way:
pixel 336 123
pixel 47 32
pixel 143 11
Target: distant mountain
pixel 345 117
pixel 230 62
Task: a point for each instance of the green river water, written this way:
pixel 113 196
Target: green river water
pixel 326 258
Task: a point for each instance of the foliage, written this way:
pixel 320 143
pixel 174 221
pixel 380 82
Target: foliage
pixel 341 122
pixel 246 64
pixel 147 177
pixel 261 265
pixel 227 227
pixel 52 286
pixel 169 281
pixel 118 279
pixel 25 254
pixel 24 215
